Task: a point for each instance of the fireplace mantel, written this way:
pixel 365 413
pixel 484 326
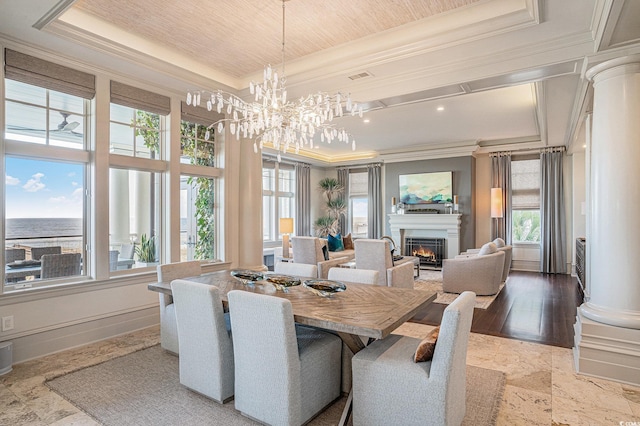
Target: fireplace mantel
pixel 427 225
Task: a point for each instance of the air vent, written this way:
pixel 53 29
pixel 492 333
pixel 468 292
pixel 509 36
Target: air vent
pixel 360 75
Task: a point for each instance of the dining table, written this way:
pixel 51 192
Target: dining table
pixel 362 310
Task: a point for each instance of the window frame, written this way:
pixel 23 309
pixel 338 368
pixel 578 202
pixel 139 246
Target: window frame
pixel 54 153
pixel 275 196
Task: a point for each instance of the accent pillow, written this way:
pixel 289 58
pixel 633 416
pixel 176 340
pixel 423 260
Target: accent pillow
pixel 347 241
pixel 335 243
pixel 488 248
pixel 325 252
pixel 499 242
pixel 427 346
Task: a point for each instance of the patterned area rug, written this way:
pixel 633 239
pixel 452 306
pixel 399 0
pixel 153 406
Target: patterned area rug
pixel 432 281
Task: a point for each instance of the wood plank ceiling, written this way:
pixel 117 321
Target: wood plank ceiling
pixel 239 37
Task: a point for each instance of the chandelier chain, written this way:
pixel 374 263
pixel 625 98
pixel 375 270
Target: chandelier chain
pixel 272 119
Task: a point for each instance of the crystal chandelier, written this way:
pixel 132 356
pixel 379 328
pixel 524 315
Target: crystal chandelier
pixel 274 120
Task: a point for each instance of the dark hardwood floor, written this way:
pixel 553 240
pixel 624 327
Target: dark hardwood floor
pixel 532 306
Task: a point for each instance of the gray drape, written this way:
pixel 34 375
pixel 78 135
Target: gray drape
pixel 501 178
pixel 303 200
pixel 552 220
pixel 343 179
pixel 374 194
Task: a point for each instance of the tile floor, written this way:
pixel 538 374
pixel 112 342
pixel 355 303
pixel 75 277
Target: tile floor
pixel 542 388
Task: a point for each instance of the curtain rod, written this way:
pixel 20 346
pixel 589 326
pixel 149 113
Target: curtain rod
pixel 538 150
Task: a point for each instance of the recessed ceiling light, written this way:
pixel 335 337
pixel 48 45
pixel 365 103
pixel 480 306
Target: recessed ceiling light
pixel 366 120
pixel 584 146
pixel 440 108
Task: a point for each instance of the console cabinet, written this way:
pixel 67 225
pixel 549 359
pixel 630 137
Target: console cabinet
pixel 581 248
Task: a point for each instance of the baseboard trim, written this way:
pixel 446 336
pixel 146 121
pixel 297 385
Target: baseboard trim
pixel 51 341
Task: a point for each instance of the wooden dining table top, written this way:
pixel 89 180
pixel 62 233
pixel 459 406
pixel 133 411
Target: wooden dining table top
pixel 361 310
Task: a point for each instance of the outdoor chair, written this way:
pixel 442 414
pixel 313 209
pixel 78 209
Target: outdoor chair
pixel 390 388
pixel 60 265
pixel 13 254
pixel 37 252
pixel 168 326
pixel 113 259
pixel 204 333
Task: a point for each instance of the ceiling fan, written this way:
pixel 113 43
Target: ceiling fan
pixel 65 126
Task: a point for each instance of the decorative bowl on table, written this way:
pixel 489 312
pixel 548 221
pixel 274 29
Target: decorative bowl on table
pixel 325 288
pixel 247 276
pixel 281 282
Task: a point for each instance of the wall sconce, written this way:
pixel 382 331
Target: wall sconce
pixel 286 228
pixel 496 203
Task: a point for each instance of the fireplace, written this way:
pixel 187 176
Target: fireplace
pixel 430 251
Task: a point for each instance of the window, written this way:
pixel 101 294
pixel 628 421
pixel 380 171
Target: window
pixel 44 205
pixel 133 132
pixel 525 200
pixel 278 197
pixel 198 183
pixel 358 204
pixel 135 187
pixel 197 193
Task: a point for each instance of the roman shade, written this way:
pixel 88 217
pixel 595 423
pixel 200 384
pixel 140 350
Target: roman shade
pixel 38 72
pixel 199 115
pixel 134 97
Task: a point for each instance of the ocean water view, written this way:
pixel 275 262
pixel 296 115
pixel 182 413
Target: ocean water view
pixel 42 228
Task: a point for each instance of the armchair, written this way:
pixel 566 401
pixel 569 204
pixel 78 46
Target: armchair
pixel 309 250
pixel 481 273
pixel 376 255
pixel 508 253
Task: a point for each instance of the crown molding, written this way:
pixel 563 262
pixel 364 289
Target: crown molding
pixel 89 31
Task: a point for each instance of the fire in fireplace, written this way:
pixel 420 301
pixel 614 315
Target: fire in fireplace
pixel 430 251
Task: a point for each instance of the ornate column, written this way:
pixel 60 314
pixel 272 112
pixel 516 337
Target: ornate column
pixel 608 326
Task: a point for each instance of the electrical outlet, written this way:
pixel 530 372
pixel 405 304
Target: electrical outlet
pixel 7 323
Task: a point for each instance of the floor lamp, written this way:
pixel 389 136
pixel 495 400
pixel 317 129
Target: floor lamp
pixel 286 228
pixel 496 207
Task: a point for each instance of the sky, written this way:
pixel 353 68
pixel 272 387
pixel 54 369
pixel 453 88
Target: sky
pixel 43 189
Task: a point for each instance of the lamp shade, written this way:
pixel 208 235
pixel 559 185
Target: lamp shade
pixel 286 225
pixel 496 202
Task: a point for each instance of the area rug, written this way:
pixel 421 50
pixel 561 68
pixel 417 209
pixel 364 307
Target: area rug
pixel 143 388
pixel 432 281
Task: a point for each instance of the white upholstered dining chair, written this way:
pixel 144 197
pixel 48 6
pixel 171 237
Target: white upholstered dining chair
pixel 204 333
pixel 361 276
pixel 168 327
pixel 390 388
pixel 285 374
pixel 297 269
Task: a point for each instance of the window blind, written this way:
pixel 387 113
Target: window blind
pixel 38 72
pixel 525 184
pixel 199 115
pixel 134 97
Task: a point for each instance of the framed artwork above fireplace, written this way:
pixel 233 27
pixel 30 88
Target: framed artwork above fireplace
pixel 426 188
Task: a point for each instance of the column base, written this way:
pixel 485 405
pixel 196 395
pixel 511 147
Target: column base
pixel 617 318
pixel 606 351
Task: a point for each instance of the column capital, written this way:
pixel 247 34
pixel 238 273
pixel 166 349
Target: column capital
pixel 624 65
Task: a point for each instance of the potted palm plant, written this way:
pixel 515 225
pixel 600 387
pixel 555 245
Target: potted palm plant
pixel 335 207
pixel 146 251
